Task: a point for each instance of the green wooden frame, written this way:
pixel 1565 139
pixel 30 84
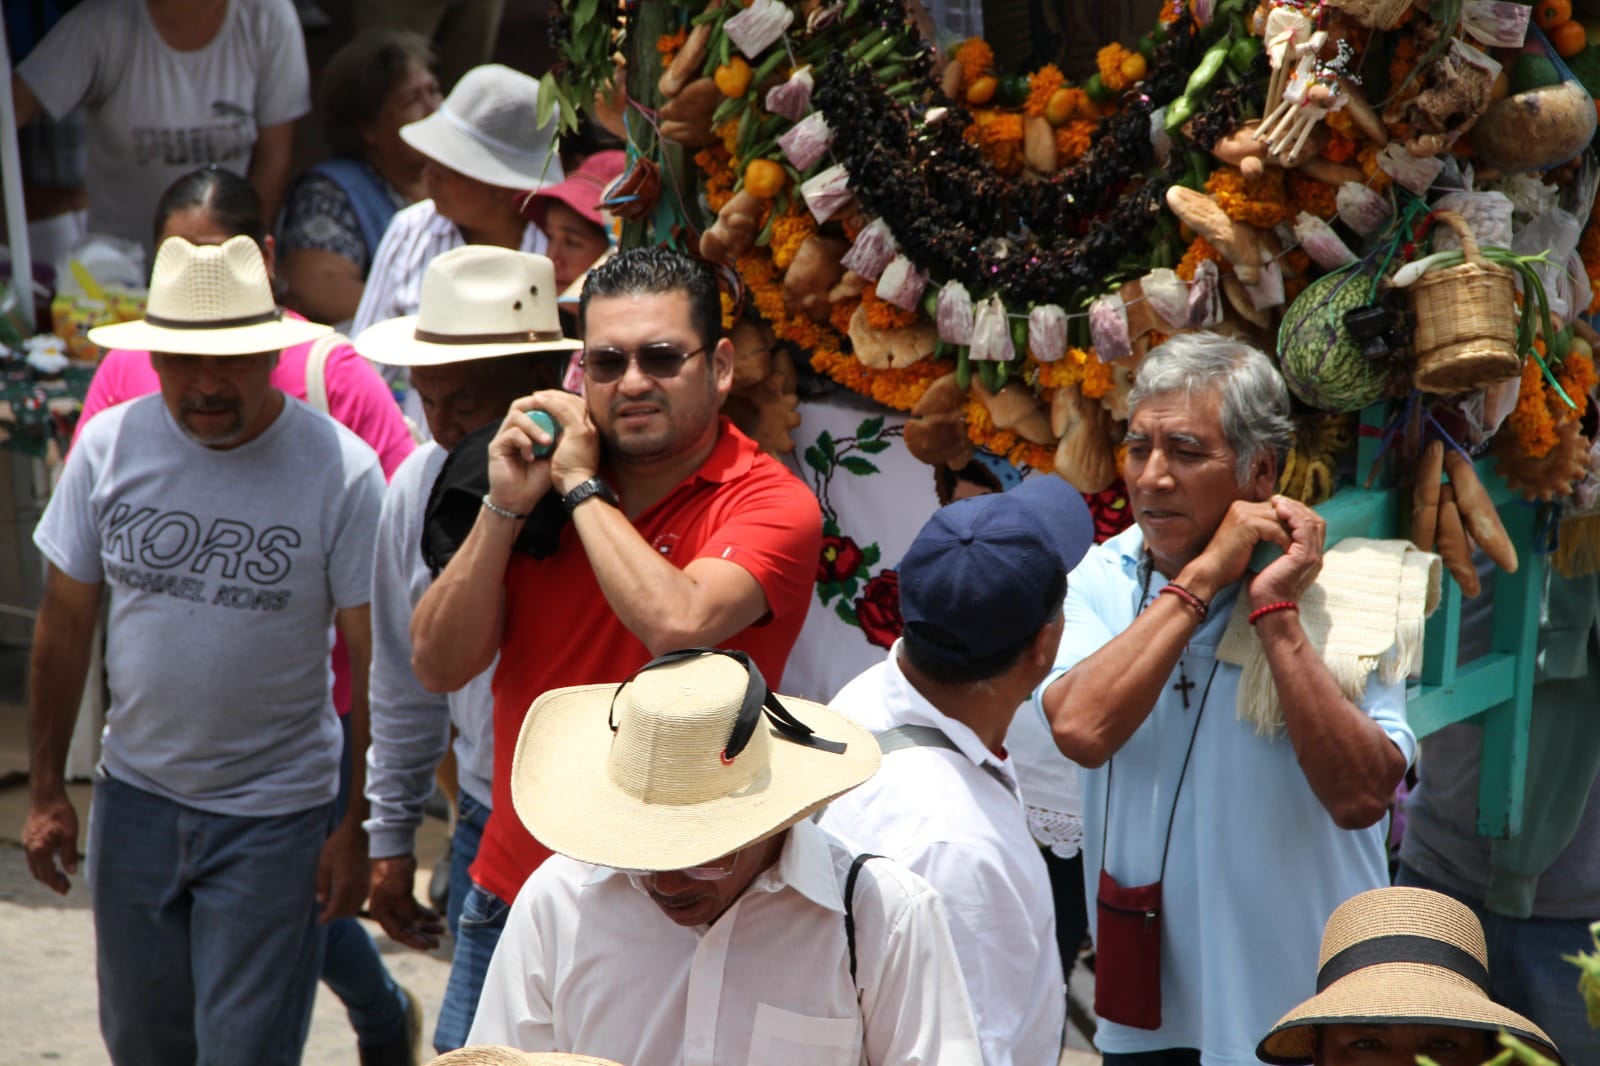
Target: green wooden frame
pixel 1496 689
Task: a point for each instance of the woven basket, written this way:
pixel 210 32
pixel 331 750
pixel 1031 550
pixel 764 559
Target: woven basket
pixel 1466 318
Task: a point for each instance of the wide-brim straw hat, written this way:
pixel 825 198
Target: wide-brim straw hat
pixel 488 129
pixel 497 1055
pixel 703 760
pixel 1398 956
pixel 477 302
pixel 209 299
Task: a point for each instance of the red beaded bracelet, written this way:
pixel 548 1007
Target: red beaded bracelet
pixel 1199 606
pixel 1272 608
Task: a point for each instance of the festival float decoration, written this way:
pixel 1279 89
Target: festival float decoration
pixel 1393 197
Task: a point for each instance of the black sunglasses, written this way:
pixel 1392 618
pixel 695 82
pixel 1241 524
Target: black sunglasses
pixel 659 361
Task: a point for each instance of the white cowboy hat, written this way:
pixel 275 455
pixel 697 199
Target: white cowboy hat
pixel 1398 956
pixel 689 760
pixel 497 1055
pixel 209 299
pixel 488 129
pixel 477 302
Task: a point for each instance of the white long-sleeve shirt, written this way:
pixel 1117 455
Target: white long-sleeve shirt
pixel 588 964
pixel 410 725
pixel 955 818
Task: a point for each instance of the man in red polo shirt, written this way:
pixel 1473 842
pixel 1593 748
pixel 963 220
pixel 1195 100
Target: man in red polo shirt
pixel 679 533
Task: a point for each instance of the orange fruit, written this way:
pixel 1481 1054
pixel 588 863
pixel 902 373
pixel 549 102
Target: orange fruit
pixel 1569 38
pixel 764 178
pixel 1549 14
pixel 1060 106
pixel 982 90
pixel 733 77
pixel 1133 67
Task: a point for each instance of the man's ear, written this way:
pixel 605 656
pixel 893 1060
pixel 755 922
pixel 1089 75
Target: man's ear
pixel 722 357
pixel 1263 481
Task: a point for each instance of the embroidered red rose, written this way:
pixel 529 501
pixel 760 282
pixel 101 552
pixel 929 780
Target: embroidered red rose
pixel 878 609
pixel 840 559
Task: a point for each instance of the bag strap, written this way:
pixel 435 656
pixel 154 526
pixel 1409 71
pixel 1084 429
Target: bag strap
pixel 850 911
pixel 317 369
pixel 931 736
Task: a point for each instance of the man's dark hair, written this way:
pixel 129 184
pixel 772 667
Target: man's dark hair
pixel 225 196
pixel 658 270
pixel 921 644
pixel 358 80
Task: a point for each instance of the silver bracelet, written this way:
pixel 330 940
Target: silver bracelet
pixel 494 508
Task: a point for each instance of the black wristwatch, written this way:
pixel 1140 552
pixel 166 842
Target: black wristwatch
pixel 593 487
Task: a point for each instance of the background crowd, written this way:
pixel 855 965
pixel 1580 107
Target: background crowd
pixel 534 507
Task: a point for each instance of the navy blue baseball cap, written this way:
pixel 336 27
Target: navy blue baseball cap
pixel 986 573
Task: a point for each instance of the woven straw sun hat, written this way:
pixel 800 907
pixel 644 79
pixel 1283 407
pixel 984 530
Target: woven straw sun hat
pixel 496 1055
pixel 1398 956
pixel 209 299
pixel 477 302
pixel 488 128
pixel 689 760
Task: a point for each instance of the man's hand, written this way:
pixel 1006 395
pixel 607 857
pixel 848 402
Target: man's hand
pixel 342 872
pixel 1287 577
pixel 393 906
pixel 576 458
pixel 1227 557
pixel 51 831
pixel 518 479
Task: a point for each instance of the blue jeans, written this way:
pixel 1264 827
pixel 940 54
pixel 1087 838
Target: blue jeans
pixel 471 816
pixel 351 965
pixel 1527 972
pixel 206 931
pixel 483 919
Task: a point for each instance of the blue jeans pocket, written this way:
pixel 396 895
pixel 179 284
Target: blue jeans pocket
pixel 483 910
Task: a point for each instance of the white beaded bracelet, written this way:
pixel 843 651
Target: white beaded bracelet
pixel 495 508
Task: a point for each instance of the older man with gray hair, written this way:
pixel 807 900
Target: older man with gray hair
pixel 1217 853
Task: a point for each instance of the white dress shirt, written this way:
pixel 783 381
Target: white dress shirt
pixel 588 964
pixel 955 818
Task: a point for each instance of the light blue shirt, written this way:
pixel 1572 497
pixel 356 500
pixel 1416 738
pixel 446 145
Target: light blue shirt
pixel 1256 862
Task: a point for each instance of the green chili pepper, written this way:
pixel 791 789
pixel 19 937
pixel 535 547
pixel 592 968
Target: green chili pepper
pixel 1179 111
pixel 1243 53
pixel 963 368
pixel 1210 66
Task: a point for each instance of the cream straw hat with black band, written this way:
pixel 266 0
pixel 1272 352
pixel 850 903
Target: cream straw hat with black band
pixel 497 1055
pixel 689 760
pixel 477 302
pixel 1398 956
pixel 209 299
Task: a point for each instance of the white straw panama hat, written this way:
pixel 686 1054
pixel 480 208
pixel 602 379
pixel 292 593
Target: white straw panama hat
pixel 1398 956
pixel 209 299
pixel 488 129
pixel 496 1055
pixel 689 760
pixel 477 302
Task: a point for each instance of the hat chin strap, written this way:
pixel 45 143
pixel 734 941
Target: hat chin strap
pixel 757 697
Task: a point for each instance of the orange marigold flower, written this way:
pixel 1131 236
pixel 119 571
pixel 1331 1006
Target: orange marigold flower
pixel 840 312
pixel 1042 84
pixel 1530 420
pixel 976 59
pixel 1377 178
pixel 1577 377
pixel 999 136
pixel 1072 140
pixel 1308 194
pixel 1341 144
pixel 789 232
pixel 1109 62
pixel 1199 251
pixel 881 314
pixel 1171 11
pixel 1259 201
pixel 1097 379
pixel 669 43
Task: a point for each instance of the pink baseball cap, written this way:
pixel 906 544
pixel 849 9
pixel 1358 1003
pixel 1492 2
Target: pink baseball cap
pixel 581 191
